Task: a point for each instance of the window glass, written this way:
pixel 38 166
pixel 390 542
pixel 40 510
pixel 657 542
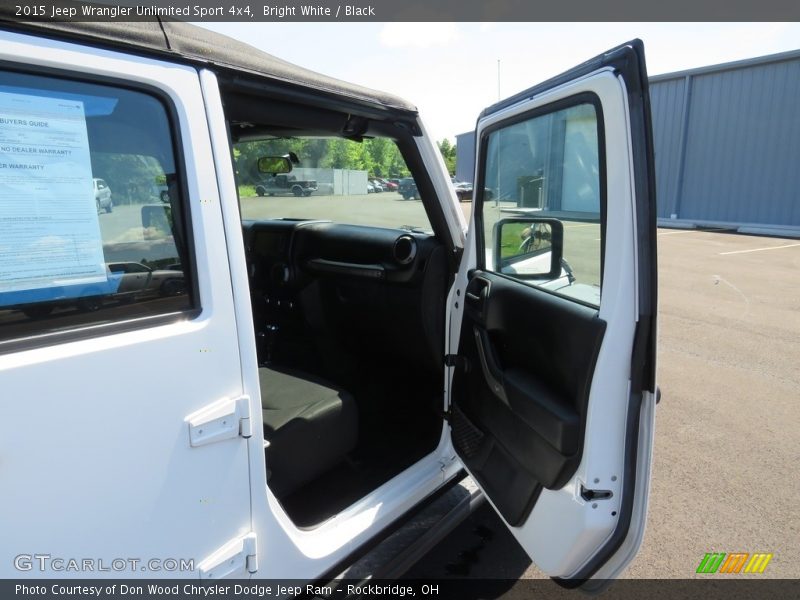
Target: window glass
pixel 91 226
pixel 361 183
pixel 546 168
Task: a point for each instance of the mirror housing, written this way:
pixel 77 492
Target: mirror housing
pixel 275 165
pixel 528 247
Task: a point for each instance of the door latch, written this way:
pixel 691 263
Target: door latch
pixel 592 495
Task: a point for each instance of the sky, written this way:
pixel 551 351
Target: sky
pixel 450 70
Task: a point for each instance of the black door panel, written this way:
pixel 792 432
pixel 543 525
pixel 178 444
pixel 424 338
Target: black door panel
pixel 530 357
pixel 543 411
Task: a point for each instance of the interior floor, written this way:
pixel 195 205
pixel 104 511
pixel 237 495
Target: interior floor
pixel 379 457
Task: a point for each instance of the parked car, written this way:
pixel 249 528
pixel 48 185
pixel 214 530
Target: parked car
pixel 463 191
pixel 283 185
pixel 408 188
pixel 376 185
pixel 370 188
pixel 388 186
pixel 102 195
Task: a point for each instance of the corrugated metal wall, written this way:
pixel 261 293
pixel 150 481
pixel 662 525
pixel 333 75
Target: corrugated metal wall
pixel 667 105
pixel 727 143
pixel 465 156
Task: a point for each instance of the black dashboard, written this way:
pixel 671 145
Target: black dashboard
pixel 374 292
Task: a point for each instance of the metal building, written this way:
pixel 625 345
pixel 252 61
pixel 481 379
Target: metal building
pixel 727 142
pixel 727 145
pixel 465 156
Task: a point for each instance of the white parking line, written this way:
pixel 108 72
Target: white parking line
pixel 677 232
pixel 759 249
pixel 690 231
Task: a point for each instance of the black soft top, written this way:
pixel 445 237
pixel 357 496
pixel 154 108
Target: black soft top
pixel 190 44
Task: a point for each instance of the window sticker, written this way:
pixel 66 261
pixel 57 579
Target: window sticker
pixel 50 240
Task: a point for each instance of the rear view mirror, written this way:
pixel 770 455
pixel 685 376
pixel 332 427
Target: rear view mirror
pixel 274 165
pixel 529 247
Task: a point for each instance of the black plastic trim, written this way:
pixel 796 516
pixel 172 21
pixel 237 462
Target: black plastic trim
pixel 297 93
pixel 322 265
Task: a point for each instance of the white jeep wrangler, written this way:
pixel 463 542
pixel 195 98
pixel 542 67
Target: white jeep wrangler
pixel 328 365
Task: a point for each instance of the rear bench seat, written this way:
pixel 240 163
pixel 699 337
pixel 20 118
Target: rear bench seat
pixel 310 424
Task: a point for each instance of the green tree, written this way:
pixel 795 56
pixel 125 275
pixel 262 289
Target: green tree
pixel 448 151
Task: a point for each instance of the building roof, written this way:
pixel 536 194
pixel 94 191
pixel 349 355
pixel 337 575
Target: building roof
pixel 191 44
pixel 729 66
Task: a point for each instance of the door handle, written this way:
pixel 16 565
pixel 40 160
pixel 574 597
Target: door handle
pixel 491 370
pixel 477 292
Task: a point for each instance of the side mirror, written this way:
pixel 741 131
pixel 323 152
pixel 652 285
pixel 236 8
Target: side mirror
pixel 274 165
pixel 157 220
pixel 529 247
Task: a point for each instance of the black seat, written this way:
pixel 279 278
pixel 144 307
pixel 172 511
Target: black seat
pixel 310 424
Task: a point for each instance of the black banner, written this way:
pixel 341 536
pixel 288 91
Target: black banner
pixel 408 10
pixel 711 588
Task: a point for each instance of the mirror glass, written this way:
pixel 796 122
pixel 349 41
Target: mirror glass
pixel 525 238
pixel 156 221
pixel 526 241
pixel 274 165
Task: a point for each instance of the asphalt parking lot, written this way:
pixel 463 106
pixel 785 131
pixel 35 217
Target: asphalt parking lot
pixel 727 445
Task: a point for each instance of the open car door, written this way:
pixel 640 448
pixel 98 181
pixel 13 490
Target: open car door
pixel 554 317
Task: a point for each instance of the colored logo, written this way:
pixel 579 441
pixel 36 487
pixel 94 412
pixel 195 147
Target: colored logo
pixel 736 562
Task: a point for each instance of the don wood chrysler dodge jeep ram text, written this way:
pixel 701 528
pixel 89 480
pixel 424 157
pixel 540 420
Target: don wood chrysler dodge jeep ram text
pixel 283 380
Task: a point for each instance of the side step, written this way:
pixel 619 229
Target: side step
pixel 401 550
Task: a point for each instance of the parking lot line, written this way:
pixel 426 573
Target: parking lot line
pixel 759 249
pixel 677 232
pixel 691 231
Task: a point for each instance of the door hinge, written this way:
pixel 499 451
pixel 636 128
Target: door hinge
pixel 237 556
pixel 222 420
